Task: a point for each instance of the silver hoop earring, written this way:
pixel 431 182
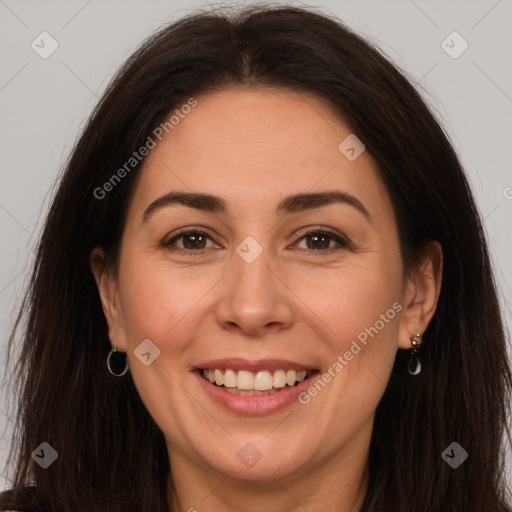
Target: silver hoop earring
pixel 414 364
pixel 109 357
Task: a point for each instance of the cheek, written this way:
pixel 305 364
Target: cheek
pixel 357 311
pixel 347 300
pixel 154 299
pixel 157 305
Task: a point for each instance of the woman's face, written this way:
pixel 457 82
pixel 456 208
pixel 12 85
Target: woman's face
pixel 264 287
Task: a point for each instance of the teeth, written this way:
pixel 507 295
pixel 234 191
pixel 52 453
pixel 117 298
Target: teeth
pixel 291 376
pixel 244 380
pixel 230 379
pixel 279 379
pixel 263 381
pixel 250 383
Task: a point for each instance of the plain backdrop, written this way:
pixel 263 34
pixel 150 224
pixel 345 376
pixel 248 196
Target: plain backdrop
pixel 45 102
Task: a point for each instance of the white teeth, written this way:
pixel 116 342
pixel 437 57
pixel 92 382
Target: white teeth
pixel 254 383
pixel 230 379
pixel 279 379
pixel 291 375
pixel 244 380
pixel 263 381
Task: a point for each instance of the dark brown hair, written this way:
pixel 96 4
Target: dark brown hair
pixel 112 456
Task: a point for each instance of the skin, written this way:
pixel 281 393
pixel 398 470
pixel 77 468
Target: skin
pixel 253 147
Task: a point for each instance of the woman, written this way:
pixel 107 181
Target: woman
pixel 266 219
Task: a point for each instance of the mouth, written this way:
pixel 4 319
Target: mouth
pixel 254 383
pixel 251 387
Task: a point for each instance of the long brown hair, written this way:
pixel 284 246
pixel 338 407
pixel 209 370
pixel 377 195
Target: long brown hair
pixel 111 455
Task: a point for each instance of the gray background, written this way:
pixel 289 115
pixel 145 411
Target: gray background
pixel 44 103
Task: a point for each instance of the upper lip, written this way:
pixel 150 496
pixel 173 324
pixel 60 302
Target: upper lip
pixel 237 363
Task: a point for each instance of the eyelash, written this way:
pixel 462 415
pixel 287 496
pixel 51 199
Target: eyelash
pixel 342 241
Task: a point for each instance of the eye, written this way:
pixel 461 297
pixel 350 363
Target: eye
pixel 194 241
pixel 321 239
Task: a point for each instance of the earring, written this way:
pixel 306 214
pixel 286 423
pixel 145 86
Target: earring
pixel 109 357
pixel 414 364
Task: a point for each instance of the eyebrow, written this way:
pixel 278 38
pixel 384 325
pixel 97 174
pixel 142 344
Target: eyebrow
pixel 291 204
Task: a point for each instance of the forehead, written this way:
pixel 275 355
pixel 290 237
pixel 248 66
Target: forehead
pixel 255 145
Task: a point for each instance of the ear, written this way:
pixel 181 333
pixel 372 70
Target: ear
pixel 108 288
pixel 421 294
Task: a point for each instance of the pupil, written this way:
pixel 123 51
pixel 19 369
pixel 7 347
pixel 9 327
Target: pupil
pixel 316 238
pixel 194 237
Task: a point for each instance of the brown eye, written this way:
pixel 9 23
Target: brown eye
pixel 319 241
pixel 193 241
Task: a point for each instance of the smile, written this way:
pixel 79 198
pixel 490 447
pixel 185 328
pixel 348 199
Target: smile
pixel 254 391
pixel 247 383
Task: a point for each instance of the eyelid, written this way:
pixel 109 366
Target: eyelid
pixel 200 230
pixel 319 229
pixel 341 239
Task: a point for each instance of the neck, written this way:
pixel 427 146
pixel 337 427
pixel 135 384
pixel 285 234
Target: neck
pixel 339 485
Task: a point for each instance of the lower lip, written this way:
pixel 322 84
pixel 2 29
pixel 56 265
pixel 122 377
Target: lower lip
pixel 257 404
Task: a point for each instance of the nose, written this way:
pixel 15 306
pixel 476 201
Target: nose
pixel 254 298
